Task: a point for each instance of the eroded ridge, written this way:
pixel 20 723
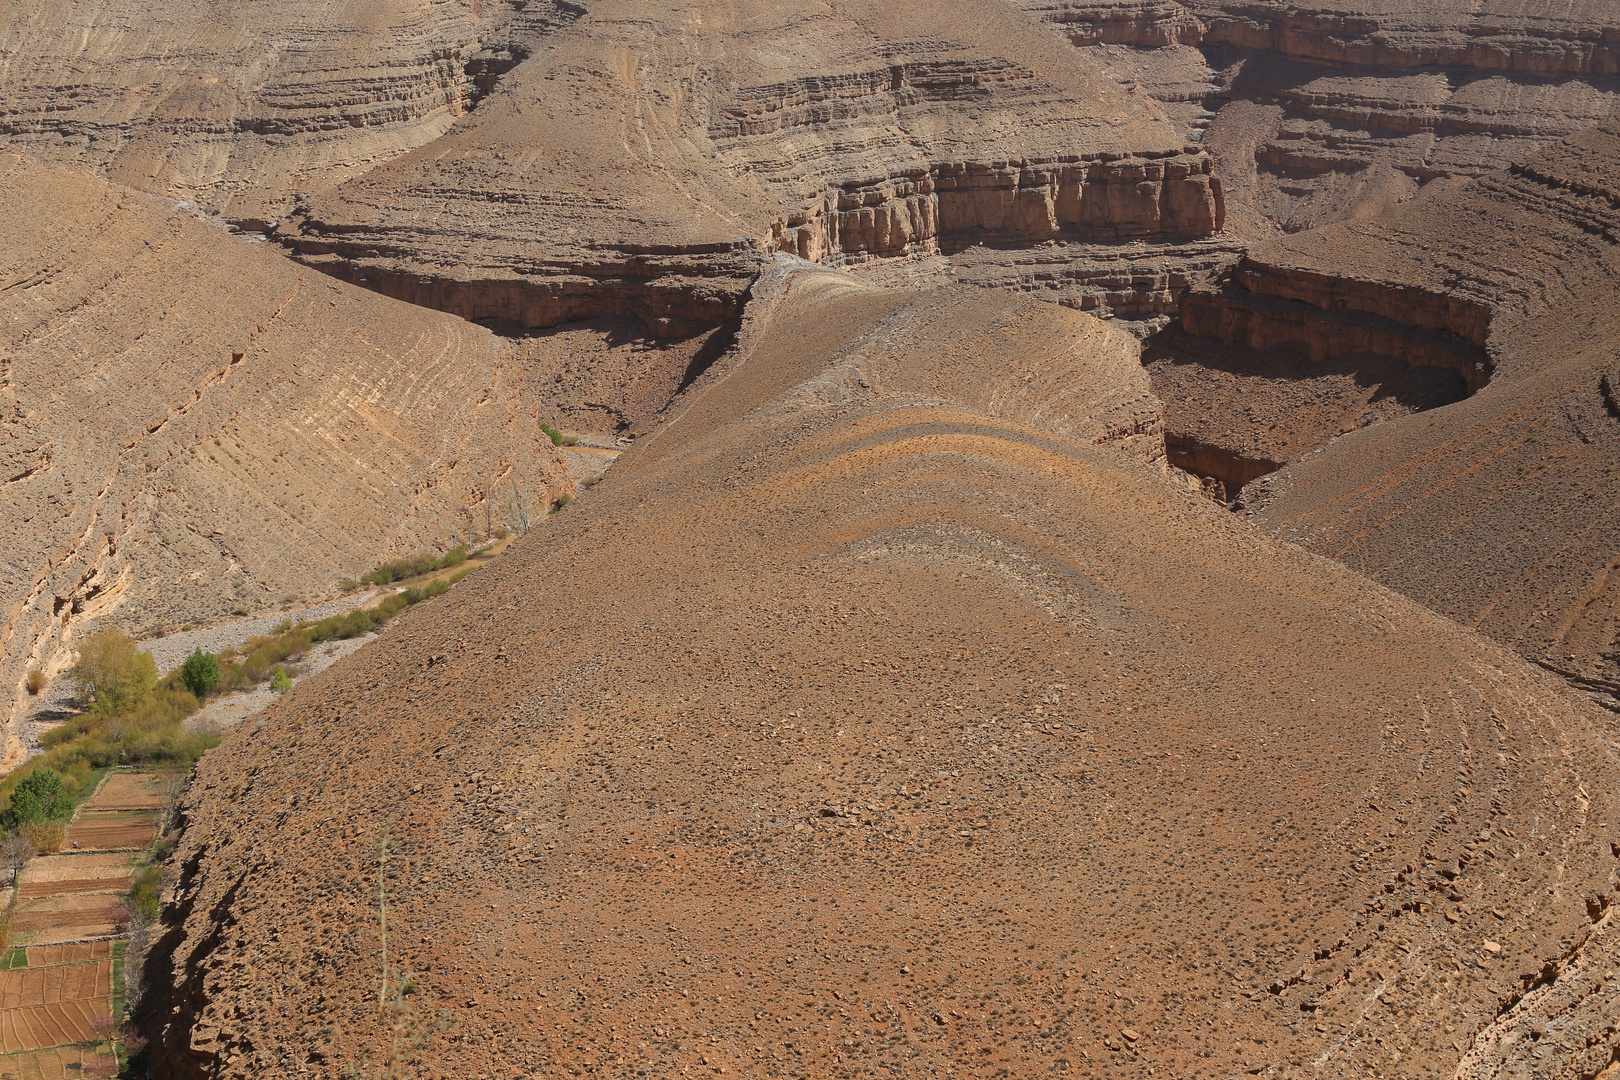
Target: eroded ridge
pixel 902 721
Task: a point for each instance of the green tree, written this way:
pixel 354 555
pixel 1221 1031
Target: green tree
pixel 110 666
pixel 280 682
pixel 38 797
pixel 200 673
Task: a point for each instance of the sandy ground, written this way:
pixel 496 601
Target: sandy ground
pixel 231 709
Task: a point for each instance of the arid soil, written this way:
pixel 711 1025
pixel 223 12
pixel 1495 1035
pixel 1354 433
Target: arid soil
pixel 900 717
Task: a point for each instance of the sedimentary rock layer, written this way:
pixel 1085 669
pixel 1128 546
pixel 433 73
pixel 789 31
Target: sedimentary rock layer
pixel 1323 111
pixel 896 720
pixel 195 425
pixel 648 161
pixel 241 108
pixel 1498 510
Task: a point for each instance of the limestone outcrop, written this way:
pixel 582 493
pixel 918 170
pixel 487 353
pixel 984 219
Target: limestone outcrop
pixel 194 425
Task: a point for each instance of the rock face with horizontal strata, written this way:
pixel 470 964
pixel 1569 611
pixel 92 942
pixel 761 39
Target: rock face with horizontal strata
pixel 243 108
pixel 1323 111
pixel 194 425
pixel 646 167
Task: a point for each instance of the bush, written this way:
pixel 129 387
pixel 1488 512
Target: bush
pixel 142 898
pixel 37 797
pixel 552 433
pixel 36 682
pixel 562 500
pixel 200 673
pixel 281 682
pixel 110 667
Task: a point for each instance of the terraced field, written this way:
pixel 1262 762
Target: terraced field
pixel 59 980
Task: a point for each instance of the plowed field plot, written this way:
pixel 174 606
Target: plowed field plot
pixel 126 791
pixel 51 1006
pixel 73 953
pixel 34 890
pixel 54 984
pixel 96 1063
pixel 75 865
pixel 90 833
pixel 65 912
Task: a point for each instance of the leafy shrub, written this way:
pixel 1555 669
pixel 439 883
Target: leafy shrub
pixel 200 673
pixel 281 682
pixel 114 671
pixel 552 433
pixel 36 682
pixel 562 500
pixel 37 797
pixel 142 898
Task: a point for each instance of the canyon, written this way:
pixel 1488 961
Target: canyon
pixel 1112 569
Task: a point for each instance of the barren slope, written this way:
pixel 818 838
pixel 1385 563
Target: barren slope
pixel 242 108
pixel 890 720
pixel 194 424
pixel 1499 510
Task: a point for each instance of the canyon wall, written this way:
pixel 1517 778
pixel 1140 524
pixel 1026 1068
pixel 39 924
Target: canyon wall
pixel 244 108
pixel 1332 110
pixel 1496 510
pixel 193 425
pixel 649 171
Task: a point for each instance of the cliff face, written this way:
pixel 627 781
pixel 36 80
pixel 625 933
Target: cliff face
pixel 885 684
pixel 243 108
pixel 1325 111
pixel 1496 510
pixel 648 171
pixel 194 425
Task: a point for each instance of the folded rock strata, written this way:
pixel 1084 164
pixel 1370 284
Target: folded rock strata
pixel 195 425
pixel 241 108
pixel 892 707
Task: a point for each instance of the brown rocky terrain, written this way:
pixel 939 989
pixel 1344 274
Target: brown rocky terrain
pixel 900 718
pixel 1320 111
pixel 897 705
pixel 647 162
pixel 195 426
pixel 1499 509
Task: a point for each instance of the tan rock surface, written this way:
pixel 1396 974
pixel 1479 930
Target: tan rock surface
pixel 242 108
pixel 648 160
pixel 1498 510
pixel 891 721
pixel 195 425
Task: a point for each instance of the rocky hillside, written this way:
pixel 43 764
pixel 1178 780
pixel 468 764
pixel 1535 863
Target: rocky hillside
pixel 243 108
pixel 1331 109
pixel 195 425
pixel 1497 510
pixel 896 719
pixel 647 162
